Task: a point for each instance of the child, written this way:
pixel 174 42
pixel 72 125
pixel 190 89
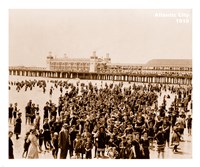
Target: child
pixel 55 145
pixel 26 145
pixel 78 146
pixel 112 153
pixel 88 148
pixel 176 137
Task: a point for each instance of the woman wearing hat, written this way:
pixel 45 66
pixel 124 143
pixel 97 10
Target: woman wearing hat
pixel 17 129
pixel 34 146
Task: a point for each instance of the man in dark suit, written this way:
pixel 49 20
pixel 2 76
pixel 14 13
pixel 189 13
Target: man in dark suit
pixel 64 141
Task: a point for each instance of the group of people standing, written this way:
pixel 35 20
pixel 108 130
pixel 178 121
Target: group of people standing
pixel 110 121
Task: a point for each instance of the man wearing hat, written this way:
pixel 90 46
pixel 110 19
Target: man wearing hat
pixel 64 141
pixel 17 128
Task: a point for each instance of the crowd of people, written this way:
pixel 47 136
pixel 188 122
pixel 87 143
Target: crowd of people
pixel 114 120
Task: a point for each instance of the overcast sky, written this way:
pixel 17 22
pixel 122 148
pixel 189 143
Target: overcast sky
pixel 129 36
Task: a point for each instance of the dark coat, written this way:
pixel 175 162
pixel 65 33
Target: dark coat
pixel 11 156
pixel 47 134
pixel 102 140
pixel 28 111
pixel 46 111
pixel 64 143
pixel 17 129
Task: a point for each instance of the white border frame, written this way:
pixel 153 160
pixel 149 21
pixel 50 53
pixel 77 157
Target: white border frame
pixel 95 4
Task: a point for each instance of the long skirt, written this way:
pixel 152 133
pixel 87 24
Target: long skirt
pixel 17 129
pixel 33 152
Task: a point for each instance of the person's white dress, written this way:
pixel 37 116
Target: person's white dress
pixel 33 148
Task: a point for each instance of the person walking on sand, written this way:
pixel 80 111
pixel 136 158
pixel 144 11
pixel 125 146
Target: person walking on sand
pixel 17 129
pixel 10 113
pixel 11 155
pixel 64 141
pixel 34 146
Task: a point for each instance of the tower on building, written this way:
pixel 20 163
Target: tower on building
pixel 93 62
pixel 49 58
pixel 107 59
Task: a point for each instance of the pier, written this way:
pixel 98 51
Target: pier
pixel 141 77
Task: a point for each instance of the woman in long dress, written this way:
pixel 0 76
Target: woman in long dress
pixel 33 148
pixel 17 128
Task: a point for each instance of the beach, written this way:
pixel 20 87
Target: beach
pixel 38 97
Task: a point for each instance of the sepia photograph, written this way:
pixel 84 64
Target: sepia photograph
pixel 100 84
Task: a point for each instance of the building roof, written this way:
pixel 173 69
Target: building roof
pixel 169 62
pixel 71 59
